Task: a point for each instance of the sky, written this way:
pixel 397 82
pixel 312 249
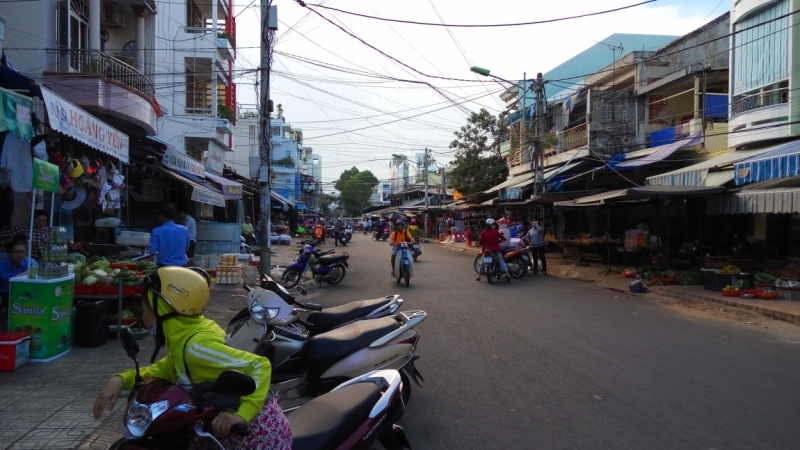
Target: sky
pixel 361 119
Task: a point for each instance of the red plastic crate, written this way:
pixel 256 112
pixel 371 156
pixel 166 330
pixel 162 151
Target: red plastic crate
pixel 106 290
pixel 82 289
pixel 14 350
pixel 130 291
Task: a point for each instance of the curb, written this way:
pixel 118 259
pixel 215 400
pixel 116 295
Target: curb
pixel 781 315
pixel 467 250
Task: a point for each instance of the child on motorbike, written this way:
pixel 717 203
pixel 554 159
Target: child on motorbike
pixel 197 354
pixel 398 236
pixel 490 239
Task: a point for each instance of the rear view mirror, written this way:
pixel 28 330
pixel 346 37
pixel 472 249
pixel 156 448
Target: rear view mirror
pixel 234 383
pixel 301 290
pixel 129 343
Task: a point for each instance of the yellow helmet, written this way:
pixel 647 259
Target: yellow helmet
pixel 185 290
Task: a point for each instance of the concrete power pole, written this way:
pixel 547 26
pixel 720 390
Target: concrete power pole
pixel 540 130
pixel 269 22
pixel 425 162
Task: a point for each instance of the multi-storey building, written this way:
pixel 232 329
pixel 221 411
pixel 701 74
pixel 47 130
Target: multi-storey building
pixel 765 71
pixel 95 54
pixel 193 62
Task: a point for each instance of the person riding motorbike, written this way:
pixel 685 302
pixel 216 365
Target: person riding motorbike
pixel 490 239
pixel 247 231
pixel 414 230
pixel 197 355
pixel 319 233
pixel 398 236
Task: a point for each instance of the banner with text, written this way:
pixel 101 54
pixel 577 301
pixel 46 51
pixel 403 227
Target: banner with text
pixel 182 163
pixel 208 197
pixel 74 122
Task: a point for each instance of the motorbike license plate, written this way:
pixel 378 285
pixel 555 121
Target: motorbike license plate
pixel 526 257
pixel 416 246
pixel 487 259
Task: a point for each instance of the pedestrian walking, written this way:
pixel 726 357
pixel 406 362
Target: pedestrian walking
pixel 535 237
pixel 191 227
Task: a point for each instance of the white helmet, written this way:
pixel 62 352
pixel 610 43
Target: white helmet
pixel 490 222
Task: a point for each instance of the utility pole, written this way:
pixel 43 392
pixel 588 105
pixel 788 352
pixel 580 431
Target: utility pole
pixel 523 121
pixel 538 143
pixel 425 162
pixel 269 22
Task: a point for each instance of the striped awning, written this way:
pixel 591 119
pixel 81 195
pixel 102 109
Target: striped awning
pixel 783 162
pixel 769 201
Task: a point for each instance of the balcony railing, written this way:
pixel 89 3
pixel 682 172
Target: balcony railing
pixel 98 63
pixel 575 137
pixel 761 98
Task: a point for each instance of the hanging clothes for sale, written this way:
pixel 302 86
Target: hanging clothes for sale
pixel 16 164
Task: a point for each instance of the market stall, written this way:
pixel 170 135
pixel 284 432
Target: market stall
pixel 40 301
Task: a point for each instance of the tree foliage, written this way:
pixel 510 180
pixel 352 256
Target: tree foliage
pixel 355 188
pixel 478 164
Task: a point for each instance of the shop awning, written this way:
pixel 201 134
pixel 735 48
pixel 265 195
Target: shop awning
pixel 200 193
pixel 645 192
pixel 771 201
pixel 281 198
pixel 301 207
pixel 554 197
pixel 231 189
pixel 76 123
pixel 782 162
pixel 512 182
pixel 662 153
pixel 702 174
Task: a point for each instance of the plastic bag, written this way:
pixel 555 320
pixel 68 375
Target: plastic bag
pixel 308 274
pixel 637 287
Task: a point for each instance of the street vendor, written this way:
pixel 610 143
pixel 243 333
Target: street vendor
pixel 16 265
pixel 41 234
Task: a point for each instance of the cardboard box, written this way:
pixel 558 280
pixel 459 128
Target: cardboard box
pixel 229 274
pixel 229 259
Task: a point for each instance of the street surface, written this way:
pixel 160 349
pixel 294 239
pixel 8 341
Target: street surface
pixel 552 363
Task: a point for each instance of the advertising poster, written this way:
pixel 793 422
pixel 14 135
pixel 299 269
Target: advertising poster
pixel 44 309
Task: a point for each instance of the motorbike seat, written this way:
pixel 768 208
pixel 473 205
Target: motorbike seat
pixel 330 347
pixel 327 260
pixel 330 318
pixel 325 422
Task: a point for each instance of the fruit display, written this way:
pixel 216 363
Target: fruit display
pixel 729 270
pixel 790 272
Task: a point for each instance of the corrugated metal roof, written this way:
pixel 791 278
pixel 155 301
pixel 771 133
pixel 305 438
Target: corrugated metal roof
pixel 698 174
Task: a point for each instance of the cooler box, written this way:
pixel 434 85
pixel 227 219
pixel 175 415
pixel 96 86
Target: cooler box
pixel 91 323
pixel 229 274
pixel 14 350
pixel 133 238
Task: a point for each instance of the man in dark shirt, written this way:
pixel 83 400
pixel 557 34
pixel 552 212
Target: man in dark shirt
pixel 170 241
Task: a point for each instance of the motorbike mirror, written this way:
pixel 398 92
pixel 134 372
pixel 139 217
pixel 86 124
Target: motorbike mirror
pixel 129 343
pixel 301 290
pixel 234 383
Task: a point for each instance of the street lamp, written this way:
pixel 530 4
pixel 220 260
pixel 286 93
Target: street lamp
pixel 487 73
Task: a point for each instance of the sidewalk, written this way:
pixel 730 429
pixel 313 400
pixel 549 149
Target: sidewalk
pixel 49 405
pixel 786 310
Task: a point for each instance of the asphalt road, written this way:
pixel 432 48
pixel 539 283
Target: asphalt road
pixel 550 363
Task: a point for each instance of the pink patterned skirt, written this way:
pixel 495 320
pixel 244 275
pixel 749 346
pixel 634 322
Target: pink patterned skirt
pixel 269 430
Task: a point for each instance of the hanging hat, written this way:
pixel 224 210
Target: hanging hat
pixel 74 169
pixel 64 183
pixel 73 197
pixel 97 176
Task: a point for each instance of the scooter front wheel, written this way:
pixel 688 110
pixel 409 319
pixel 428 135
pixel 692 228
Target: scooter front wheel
pixel 121 445
pixel 407 276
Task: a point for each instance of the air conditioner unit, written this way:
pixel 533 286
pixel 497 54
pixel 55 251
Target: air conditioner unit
pixel 113 16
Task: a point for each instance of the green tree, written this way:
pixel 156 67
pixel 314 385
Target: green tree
pixel 478 164
pixel 355 188
pixel 325 201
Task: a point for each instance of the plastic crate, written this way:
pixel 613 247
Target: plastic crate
pixel 82 289
pixel 711 282
pixel 229 274
pixel 14 350
pixel 130 291
pixel 106 290
pixel 229 260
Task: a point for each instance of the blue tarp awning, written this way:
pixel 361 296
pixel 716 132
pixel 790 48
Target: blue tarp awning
pixel 783 162
pixel 659 155
pixel 301 207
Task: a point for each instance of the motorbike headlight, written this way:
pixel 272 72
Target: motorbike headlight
pixel 140 416
pixel 261 314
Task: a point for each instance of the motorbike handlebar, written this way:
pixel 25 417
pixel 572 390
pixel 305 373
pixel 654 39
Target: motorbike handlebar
pixel 247 288
pixel 241 430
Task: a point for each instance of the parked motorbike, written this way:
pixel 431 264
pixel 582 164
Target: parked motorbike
pixel 329 267
pixel 354 415
pixel 249 238
pixel 403 269
pixel 244 247
pixel 161 414
pixel 306 366
pixel 416 249
pixel 491 268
